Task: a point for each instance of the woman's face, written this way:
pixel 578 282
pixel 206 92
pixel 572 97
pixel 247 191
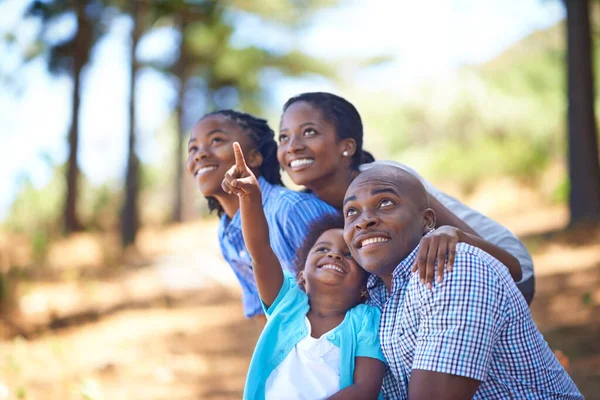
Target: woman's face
pixel 210 152
pixel 309 149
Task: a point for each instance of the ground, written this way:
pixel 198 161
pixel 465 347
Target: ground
pixel 172 326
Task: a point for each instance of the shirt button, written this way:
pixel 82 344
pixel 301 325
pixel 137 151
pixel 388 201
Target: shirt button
pixel 242 253
pixel 331 336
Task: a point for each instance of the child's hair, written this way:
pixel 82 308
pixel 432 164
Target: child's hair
pixel 314 231
pixel 263 138
pixel 343 116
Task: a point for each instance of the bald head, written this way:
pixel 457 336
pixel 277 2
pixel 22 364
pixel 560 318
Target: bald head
pixel 385 217
pixel 402 181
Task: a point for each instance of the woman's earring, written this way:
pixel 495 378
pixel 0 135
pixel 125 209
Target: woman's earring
pixel 345 153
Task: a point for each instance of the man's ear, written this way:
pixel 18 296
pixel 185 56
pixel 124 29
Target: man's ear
pixel 428 220
pixel 347 146
pixel 255 159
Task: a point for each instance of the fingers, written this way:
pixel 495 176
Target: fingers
pixel 240 162
pixel 421 259
pixel 451 253
pixel 229 177
pixel 435 252
pixel 430 265
pixel 244 184
pixel 441 258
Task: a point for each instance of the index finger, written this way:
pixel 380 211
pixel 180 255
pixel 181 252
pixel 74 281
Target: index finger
pixel 239 156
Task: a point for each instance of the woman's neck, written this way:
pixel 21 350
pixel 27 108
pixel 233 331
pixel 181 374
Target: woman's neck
pixel 331 189
pixel 229 202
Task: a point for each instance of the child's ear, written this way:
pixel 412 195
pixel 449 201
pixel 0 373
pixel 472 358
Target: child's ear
pixel 428 220
pixel 364 294
pixel 300 280
pixel 255 159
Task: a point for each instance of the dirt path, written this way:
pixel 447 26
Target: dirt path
pixel 200 348
pixel 191 352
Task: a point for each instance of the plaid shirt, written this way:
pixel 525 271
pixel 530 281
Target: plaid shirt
pixel 288 214
pixel 474 324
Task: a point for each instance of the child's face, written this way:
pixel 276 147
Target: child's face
pixel 210 152
pixel 330 263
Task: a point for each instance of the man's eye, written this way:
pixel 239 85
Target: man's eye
pixel 192 149
pixel 321 249
pixel 282 138
pixel 385 203
pixel 350 212
pixel 348 255
pixel 310 132
pixel 217 140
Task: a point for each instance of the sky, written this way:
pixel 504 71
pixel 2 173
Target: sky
pixel 426 40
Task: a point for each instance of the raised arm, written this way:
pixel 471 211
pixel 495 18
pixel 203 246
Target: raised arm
pixel 441 245
pixel 240 181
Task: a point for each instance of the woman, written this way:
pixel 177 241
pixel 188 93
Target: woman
pixel 320 147
pixel 210 155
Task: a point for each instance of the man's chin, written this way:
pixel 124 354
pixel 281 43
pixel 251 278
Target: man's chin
pixel 380 268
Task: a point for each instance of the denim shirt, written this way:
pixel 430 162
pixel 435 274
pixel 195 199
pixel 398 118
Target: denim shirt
pixel 356 336
pixel 288 213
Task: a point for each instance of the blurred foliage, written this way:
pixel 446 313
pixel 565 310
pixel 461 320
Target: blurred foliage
pixel 502 118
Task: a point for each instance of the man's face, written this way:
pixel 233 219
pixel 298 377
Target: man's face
pixel 385 217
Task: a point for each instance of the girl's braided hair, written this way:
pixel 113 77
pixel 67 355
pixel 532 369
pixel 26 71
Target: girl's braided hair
pixel 263 138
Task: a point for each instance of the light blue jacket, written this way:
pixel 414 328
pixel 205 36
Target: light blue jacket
pixel 356 336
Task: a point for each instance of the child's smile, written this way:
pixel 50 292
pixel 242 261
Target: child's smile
pixel 330 263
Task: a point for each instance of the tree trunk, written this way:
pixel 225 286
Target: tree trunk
pixel 130 212
pixel 584 166
pixel 81 50
pixel 180 71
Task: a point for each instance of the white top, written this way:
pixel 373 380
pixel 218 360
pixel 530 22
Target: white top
pixel 487 228
pixel 310 371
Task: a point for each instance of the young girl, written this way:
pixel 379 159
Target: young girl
pixel 210 155
pixel 320 147
pixel 319 341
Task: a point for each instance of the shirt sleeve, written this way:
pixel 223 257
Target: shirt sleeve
pixel 287 285
pixel 460 320
pixel 368 337
pixel 299 216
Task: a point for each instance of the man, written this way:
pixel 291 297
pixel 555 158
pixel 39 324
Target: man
pixel 470 336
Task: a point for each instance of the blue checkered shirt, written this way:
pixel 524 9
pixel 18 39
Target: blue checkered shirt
pixel 474 324
pixel 288 214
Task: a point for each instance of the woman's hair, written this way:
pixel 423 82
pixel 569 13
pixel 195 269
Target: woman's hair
pixel 343 116
pixel 263 138
pixel 314 231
